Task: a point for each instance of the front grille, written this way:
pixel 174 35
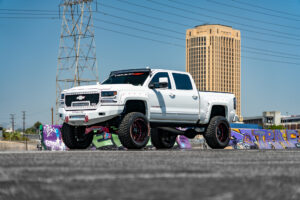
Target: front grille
pixel 82 100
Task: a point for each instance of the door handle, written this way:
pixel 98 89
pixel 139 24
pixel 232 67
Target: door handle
pixel 172 95
pixel 195 96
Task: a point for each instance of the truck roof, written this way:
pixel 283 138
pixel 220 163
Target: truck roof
pixel 142 70
pixel 129 71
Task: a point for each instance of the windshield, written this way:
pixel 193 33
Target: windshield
pixel 133 78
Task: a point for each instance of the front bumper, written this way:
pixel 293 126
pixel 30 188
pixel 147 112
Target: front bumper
pixel 90 117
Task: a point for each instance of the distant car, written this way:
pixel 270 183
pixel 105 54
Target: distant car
pixel 137 103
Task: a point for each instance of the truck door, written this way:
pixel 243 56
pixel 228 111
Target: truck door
pixel 185 99
pixel 159 99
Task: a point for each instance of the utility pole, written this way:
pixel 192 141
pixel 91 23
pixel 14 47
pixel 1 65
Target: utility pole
pixel 52 116
pixel 12 118
pixel 77 63
pixel 24 117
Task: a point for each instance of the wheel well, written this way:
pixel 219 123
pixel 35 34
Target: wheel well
pixel 135 106
pixel 218 111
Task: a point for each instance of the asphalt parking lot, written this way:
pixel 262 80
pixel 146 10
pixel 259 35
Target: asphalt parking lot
pixel 174 174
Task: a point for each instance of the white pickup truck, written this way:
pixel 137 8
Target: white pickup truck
pixel 139 103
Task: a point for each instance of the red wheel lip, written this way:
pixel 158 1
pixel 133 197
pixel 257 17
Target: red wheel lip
pixel 142 134
pixel 224 134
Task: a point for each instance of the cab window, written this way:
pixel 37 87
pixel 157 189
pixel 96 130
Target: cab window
pixel 182 81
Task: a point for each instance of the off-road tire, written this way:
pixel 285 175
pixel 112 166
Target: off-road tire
pixel 127 133
pixel 211 136
pixel 162 139
pixel 70 137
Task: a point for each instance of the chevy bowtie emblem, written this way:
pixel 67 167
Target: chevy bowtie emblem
pixel 80 97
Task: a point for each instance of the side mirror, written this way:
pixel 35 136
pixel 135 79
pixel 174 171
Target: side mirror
pixel 163 82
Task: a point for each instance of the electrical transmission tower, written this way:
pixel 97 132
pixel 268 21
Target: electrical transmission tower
pixel 77 64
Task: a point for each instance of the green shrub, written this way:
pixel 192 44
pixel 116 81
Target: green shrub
pixel 16 136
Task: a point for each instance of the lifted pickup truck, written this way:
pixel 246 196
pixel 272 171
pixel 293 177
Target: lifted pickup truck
pixel 138 103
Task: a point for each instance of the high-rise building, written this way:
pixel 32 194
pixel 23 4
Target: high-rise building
pixel 213 57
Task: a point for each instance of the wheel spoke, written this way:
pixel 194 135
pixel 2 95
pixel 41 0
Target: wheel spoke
pixel 139 130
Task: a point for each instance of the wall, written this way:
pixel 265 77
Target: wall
pixel 264 139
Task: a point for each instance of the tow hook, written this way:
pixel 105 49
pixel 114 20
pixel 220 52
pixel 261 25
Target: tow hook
pixel 67 119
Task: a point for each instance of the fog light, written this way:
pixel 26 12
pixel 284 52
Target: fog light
pixel 67 119
pixel 86 119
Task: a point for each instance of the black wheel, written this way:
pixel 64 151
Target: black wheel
pixel 134 131
pixel 217 134
pixel 74 137
pixel 162 139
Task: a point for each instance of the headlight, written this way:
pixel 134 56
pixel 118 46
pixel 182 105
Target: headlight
pixel 109 97
pixel 108 93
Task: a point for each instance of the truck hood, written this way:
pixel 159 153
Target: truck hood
pixel 98 87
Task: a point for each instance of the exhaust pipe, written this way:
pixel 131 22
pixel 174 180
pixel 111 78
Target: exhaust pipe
pixel 172 130
pixel 189 133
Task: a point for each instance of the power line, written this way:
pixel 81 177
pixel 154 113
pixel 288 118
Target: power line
pixel 28 10
pixel 169 36
pixel 40 14
pixel 254 11
pixel 146 24
pixel 148 16
pixel 264 50
pixel 29 17
pixel 182 46
pixel 179 33
pixel 186 25
pixel 251 38
pixel 264 8
pixel 158 10
pixel 138 29
pixel 140 37
pixel 270 54
pixel 209 16
pixel 275 52
pixel 272 41
pixel 270 60
pixel 229 14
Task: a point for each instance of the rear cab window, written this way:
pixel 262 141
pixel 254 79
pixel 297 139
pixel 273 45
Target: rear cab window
pixel 182 81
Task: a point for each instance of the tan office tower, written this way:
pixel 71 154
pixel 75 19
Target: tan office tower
pixel 213 57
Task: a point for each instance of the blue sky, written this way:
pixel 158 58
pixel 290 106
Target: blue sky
pixel 29 49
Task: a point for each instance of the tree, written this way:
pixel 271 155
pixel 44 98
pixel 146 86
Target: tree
pixel 276 127
pixel 37 125
pixel 34 129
